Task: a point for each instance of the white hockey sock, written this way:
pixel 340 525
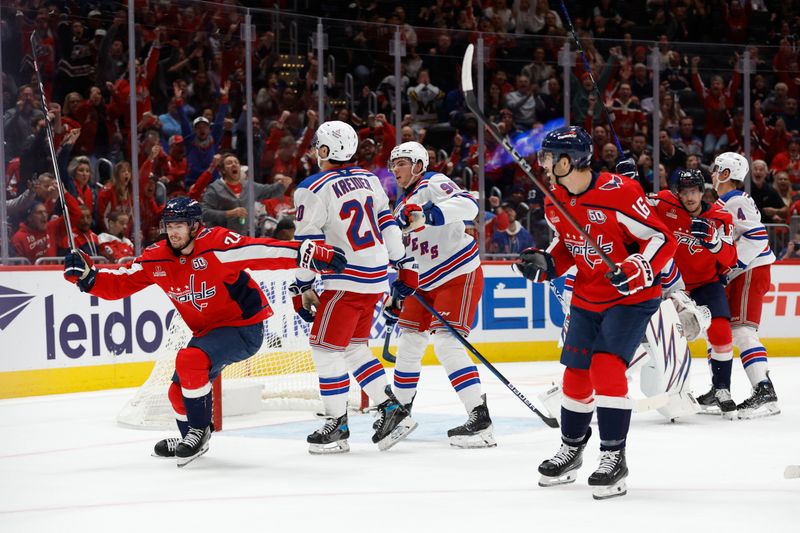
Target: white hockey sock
pixel 410 349
pixel 334 383
pixel 367 370
pixel 752 353
pixel 461 371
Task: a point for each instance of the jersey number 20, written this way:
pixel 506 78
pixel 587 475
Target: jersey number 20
pixel 354 210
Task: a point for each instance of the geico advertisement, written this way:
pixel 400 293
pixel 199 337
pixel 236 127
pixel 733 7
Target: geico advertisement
pixel 45 322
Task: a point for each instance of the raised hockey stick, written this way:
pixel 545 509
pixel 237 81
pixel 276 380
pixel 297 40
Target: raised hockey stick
pixel 550 421
pixel 387 355
pixel 52 144
pixel 591 77
pixel 505 142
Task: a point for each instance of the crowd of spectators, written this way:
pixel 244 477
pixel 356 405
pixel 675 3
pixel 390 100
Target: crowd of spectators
pixel 190 125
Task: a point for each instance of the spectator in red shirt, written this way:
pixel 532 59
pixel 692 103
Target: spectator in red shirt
pixel 717 101
pixel 281 153
pixel 114 245
pixel 175 167
pixel 789 161
pixel 33 240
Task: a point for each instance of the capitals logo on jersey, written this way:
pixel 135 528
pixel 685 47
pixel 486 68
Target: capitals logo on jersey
pixel 614 182
pixel 580 248
pixel 688 240
pixel 195 297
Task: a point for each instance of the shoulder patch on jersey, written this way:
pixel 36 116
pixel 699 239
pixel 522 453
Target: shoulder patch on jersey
pixel 613 182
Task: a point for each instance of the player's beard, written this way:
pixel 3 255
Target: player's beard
pixel 189 240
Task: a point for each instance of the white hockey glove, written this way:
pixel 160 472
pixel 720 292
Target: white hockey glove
pixel 694 318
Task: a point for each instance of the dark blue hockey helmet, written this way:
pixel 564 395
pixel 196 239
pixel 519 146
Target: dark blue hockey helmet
pixel 689 178
pixel 181 209
pixel 569 141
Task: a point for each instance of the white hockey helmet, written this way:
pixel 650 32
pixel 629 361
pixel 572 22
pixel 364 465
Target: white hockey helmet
pixel 412 150
pixel 736 165
pixel 335 140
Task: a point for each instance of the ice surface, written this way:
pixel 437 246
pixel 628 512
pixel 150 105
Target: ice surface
pixel 65 466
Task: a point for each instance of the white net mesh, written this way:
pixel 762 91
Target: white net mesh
pixel 281 375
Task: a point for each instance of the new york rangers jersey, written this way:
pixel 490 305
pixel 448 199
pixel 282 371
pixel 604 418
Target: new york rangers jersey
pixel 347 207
pixel 447 251
pixel 614 211
pixel 752 241
pixel 209 287
pixel 698 266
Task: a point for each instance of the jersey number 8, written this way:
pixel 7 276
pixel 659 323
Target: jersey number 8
pixel 353 210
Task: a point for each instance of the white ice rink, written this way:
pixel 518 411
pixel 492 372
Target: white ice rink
pixel 66 466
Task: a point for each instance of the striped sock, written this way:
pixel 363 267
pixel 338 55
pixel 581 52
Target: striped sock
pixel 754 361
pixel 333 391
pixel 405 385
pixel 464 381
pixel 371 378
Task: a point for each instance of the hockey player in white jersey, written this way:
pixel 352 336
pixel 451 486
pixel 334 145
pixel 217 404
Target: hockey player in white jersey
pixel 432 213
pixel 346 205
pixel 748 283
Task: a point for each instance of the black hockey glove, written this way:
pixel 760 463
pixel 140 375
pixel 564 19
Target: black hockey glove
pixel 78 269
pixel 536 265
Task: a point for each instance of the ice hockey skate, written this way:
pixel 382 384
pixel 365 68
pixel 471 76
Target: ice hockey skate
pixel 476 432
pixel 563 467
pixel 717 401
pixel 608 481
pixel 193 445
pixel 393 424
pixel 166 447
pixel 330 438
pixel 763 402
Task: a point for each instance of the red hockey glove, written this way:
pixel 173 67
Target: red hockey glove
pixel 536 265
pixel 632 275
pixel 411 218
pixel 304 299
pixel 321 257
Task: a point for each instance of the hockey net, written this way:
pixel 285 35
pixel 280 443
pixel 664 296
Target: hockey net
pixel 280 376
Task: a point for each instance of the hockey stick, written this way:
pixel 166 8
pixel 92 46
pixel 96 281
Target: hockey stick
pixel 505 142
pixel 387 355
pixel 52 144
pixel 591 77
pixel 552 422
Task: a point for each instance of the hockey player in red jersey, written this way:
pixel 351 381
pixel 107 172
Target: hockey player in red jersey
pixel 345 206
pixel 705 254
pixel 609 310
pixel 202 270
pixel 748 283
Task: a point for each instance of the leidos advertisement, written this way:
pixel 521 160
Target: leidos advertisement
pixel 47 323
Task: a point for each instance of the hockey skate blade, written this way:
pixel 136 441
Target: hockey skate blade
pixel 341 446
pixel 482 439
pixel 792 472
pixel 605 492
pixel 183 461
pixel 564 479
pixel 768 409
pixel 403 430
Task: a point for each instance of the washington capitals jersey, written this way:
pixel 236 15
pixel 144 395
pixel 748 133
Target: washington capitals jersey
pixel 698 265
pixel 347 207
pixel 209 287
pixel 614 211
pixel 447 251
pixel 752 241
